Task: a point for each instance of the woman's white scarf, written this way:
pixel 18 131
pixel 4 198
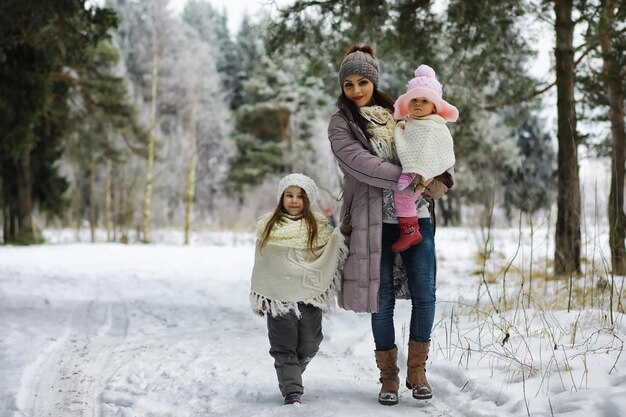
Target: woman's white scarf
pixel 381 130
pixel 285 273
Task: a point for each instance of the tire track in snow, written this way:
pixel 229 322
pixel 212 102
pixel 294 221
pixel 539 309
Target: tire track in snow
pixel 66 379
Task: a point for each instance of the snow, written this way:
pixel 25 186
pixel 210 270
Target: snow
pixel 166 330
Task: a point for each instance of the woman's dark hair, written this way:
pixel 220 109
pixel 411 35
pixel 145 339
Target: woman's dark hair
pixel 379 97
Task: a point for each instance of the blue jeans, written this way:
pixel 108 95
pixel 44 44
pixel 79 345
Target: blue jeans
pixel 419 263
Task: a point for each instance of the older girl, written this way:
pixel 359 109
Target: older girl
pixel 296 272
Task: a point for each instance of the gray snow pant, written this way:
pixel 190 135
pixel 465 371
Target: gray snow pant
pixel 293 343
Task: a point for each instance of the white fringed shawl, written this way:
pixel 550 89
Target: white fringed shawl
pixel 286 274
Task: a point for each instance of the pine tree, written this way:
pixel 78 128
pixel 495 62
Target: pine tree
pixel 567 237
pixel 41 44
pixel 530 186
pixel 603 82
pixel 477 49
pixel 274 122
pixel 248 45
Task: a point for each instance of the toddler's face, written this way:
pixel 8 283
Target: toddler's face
pixel 293 201
pixel 421 106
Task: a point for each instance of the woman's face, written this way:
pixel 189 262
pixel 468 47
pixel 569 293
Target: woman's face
pixel 293 200
pixel 358 89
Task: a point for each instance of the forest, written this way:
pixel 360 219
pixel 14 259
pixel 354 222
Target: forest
pixel 126 117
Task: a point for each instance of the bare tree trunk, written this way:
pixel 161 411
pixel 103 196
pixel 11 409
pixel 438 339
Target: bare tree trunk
pixel 78 202
pixel 617 218
pixel 6 213
pixel 107 199
pixel 26 230
pixel 147 200
pixel 122 201
pixel 5 223
pixel 567 239
pixel 191 175
pixel 93 205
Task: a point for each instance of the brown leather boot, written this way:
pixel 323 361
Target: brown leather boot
pixel 387 362
pixel 409 234
pixel 416 372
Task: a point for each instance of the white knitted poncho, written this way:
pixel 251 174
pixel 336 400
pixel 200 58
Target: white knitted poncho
pixel 425 146
pixel 286 273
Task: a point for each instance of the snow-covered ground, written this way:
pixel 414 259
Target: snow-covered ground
pixel 166 330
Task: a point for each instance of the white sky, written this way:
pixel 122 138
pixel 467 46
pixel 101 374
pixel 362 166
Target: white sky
pixel 235 9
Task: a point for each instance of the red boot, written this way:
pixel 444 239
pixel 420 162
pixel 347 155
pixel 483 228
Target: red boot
pixel 409 234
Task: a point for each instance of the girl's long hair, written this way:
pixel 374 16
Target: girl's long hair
pixel 379 97
pixel 278 217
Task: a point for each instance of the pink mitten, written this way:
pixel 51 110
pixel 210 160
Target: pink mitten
pixel 405 179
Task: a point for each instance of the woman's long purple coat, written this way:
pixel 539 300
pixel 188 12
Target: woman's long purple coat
pixel 365 175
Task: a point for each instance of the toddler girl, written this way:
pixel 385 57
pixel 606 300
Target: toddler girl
pixel 424 146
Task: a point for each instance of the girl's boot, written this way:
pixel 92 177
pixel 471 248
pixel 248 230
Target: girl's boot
pixel 387 362
pixel 416 372
pixel 409 234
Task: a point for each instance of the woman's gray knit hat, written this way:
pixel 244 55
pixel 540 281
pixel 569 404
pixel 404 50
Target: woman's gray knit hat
pixel 300 180
pixel 359 63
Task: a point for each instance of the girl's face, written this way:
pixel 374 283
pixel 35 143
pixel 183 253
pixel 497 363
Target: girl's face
pixel 359 89
pixel 421 106
pixel 293 200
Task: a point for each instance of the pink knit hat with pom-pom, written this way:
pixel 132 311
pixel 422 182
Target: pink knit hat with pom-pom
pixel 425 84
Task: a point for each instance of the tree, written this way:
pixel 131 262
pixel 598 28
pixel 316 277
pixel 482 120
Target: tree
pixel 248 46
pixel 102 111
pixel 274 122
pixel 211 27
pixel 41 44
pixel 147 201
pixel 188 57
pixel 603 84
pixel 567 238
pixel 478 50
pixel 614 75
pixel 530 186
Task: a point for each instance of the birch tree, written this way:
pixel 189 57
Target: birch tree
pixel 191 173
pixel 147 199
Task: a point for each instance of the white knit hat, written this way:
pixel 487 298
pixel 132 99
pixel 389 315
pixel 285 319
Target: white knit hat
pixel 300 180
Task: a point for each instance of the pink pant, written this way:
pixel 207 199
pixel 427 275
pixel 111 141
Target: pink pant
pixel 405 204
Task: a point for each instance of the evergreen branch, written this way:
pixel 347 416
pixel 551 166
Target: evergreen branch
pixel 492 107
pixel 300 6
pixel 587 51
pixel 137 150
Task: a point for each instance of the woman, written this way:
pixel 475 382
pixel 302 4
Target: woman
pixel 361 137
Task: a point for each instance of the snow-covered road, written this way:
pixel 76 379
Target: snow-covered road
pixel 164 330
pixel 111 330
